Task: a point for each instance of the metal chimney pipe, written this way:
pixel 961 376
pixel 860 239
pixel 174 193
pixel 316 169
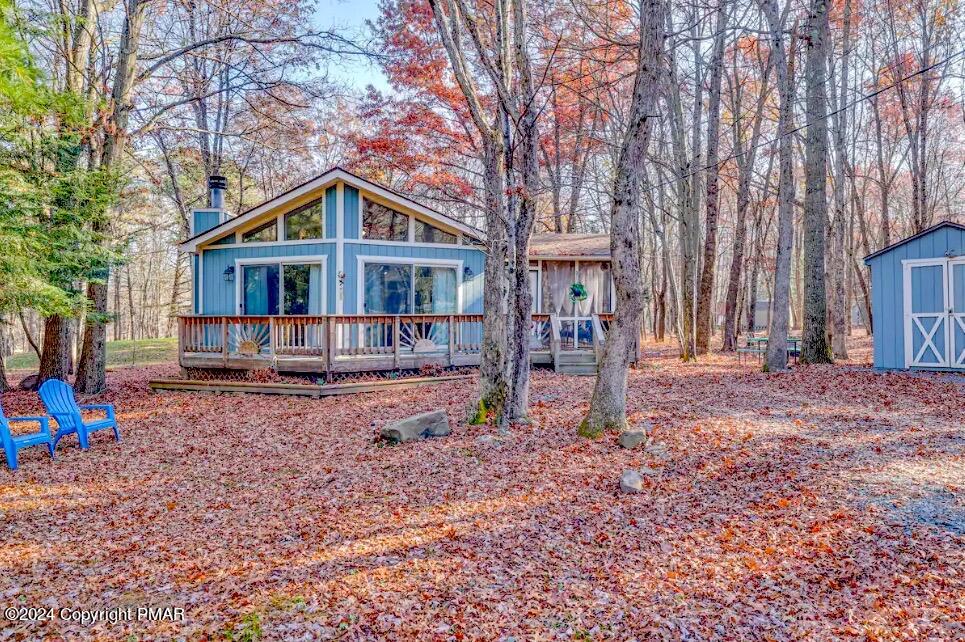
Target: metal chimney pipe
pixel 216 188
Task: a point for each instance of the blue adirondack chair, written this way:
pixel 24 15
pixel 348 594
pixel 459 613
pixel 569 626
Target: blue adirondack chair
pixel 12 443
pixel 58 397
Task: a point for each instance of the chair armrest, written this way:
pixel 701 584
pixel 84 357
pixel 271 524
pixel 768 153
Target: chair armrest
pixel 43 421
pixel 107 408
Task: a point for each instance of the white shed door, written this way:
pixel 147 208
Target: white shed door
pixel 927 313
pixel 956 309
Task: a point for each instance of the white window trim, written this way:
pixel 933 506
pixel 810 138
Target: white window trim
pixel 281 261
pixel 361 260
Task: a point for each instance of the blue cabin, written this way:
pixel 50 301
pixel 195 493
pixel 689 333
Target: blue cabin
pixel 343 274
pixel 918 300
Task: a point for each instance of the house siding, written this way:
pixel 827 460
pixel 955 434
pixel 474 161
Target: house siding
pixel 204 220
pixel 219 295
pixel 887 291
pixel 331 211
pixel 351 228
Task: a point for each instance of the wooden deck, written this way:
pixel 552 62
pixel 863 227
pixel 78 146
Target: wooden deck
pixel 357 343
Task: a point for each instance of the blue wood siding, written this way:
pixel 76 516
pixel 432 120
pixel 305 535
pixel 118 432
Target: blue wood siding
pixel 204 220
pixel 195 276
pixel 472 286
pixel 219 295
pixel 887 292
pixel 351 228
pixel 331 211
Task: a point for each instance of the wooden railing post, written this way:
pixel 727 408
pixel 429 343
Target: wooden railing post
pixel 452 339
pixel 331 349
pixel 396 342
pixel 224 342
pixel 555 340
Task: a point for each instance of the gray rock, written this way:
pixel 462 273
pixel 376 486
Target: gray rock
pixel 631 482
pixel 416 427
pixel 632 438
pixel 489 440
pixel 29 382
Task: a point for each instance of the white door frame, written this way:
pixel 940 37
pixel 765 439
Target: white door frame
pixel 911 319
pixel 956 320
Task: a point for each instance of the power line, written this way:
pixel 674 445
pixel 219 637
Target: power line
pixel 811 122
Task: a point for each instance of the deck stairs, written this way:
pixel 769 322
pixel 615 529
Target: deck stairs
pixel 576 362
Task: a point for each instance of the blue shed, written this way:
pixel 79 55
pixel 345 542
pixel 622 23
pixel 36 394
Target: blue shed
pixel 918 300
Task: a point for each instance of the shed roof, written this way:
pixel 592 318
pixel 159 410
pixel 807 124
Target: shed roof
pixel 925 232
pixel 565 245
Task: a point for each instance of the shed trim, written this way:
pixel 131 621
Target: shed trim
pixel 924 232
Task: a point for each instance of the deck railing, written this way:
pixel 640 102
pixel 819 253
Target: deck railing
pixel 390 340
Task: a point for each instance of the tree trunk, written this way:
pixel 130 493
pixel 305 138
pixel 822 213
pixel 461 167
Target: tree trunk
pixel 55 354
pixel 839 246
pixel 814 344
pixel 745 165
pixel 705 300
pixel 608 407
pixel 529 160
pixel 92 373
pixel 784 66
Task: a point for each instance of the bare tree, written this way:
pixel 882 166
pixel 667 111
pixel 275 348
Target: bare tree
pixel 784 70
pixel 608 406
pixel 814 343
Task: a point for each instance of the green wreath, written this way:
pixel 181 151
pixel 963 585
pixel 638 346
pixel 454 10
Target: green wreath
pixel 578 292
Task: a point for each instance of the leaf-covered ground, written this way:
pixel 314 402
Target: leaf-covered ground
pixel 823 503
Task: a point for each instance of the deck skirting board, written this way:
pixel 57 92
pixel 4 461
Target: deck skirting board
pixel 305 390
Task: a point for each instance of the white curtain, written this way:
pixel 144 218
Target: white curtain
pixel 315 289
pixel 594 278
pixel 558 278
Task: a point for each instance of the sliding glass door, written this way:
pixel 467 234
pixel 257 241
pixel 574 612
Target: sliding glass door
pixel 409 289
pixel 281 288
pixel 401 288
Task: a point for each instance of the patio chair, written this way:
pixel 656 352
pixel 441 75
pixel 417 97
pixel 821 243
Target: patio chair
pixel 58 397
pixel 12 443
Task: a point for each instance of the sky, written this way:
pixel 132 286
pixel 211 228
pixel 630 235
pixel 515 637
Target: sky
pixel 351 16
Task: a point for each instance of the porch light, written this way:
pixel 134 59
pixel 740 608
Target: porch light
pixel 229 273
pixel 467 272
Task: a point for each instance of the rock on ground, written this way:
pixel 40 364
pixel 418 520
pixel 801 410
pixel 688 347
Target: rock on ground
pixel 631 482
pixel 632 438
pixel 416 427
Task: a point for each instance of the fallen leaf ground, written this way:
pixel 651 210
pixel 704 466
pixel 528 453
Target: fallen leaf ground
pixel 823 503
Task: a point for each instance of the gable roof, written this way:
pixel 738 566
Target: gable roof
pixel 334 174
pixel 924 232
pixel 553 244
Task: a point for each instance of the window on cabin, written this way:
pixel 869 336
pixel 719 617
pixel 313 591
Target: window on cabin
pixel 262 233
pixel 305 222
pixel 425 233
pixel 395 288
pixel 435 290
pixel 388 288
pixel 383 223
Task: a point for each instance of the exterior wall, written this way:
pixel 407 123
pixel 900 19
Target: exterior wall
pixel 887 291
pixel 331 210
pixel 219 295
pixel 204 220
pixel 352 204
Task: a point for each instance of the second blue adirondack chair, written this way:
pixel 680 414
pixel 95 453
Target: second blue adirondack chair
pixel 12 443
pixel 58 397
